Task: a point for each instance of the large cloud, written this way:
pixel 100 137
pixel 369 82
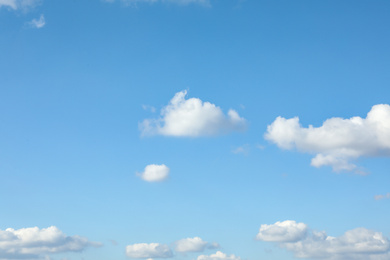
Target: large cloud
pixel 286 231
pixel 338 140
pixel 32 243
pixel 359 243
pixel 19 4
pixel 192 117
pixel 154 173
pixel 218 256
pixel 152 250
pixel 195 244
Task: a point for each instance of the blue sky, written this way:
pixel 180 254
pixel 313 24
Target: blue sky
pixel 199 129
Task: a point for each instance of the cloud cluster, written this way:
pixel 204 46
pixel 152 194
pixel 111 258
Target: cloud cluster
pixel 338 140
pixel 191 118
pixel 154 173
pixel 19 4
pixel 38 23
pixel 218 256
pixel 35 243
pixel 195 244
pixel 152 250
pixel 186 245
pixel 359 243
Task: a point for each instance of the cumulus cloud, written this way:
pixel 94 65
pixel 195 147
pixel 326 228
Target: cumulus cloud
pixel 19 4
pixel 34 243
pixel 381 197
pixel 152 250
pixel 192 117
pixel 359 243
pixel 195 244
pixel 218 256
pixel 286 231
pixel 38 23
pixel 338 140
pixel 179 2
pixel 154 173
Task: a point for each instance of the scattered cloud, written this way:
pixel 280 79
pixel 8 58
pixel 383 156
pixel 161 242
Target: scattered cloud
pixel 152 250
pixel 357 244
pixel 338 140
pixel 381 197
pixel 286 231
pixel 34 243
pixel 244 149
pixel 179 2
pixel 218 256
pixel 154 173
pixel 149 108
pixel 19 4
pixel 38 23
pixel 195 244
pixel 192 118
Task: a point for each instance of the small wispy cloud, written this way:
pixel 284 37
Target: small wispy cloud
pixel 381 197
pixel 244 149
pixel 149 108
pixel 38 23
pixel 23 5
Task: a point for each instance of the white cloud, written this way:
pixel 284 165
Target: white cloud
pixel 155 173
pixel 195 244
pixel 357 244
pixel 381 197
pixel 286 231
pixel 192 117
pixel 19 4
pixel 338 140
pixel 152 250
pixel 218 256
pixel 35 243
pixel 38 23
pixel 179 2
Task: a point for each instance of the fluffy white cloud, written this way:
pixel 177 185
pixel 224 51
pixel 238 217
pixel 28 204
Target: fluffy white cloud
pixel 286 231
pixel 381 197
pixel 180 2
pixel 34 243
pixel 38 23
pixel 152 250
pixel 359 243
pixel 195 244
pixel 218 256
pixel 338 140
pixel 154 173
pixel 192 117
pixel 19 4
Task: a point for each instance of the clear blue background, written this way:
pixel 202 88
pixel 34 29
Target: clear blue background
pixel 71 96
